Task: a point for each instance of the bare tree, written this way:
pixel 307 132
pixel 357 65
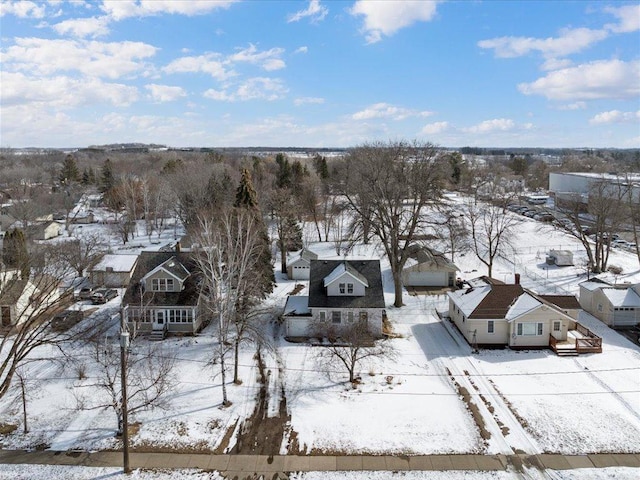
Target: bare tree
pixel 30 295
pixel 595 219
pixel 453 231
pixel 150 379
pixel 82 253
pixel 228 261
pixel 350 346
pixel 491 231
pixel 388 187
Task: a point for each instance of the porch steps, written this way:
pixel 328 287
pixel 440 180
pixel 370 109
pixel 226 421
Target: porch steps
pixel 157 335
pixel 567 352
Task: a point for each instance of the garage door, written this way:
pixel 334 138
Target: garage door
pixel 298 326
pixel 626 318
pixel 427 279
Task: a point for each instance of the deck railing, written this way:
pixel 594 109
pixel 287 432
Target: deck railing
pixel 589 343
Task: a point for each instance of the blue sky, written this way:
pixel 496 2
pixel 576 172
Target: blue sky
pixel 320 73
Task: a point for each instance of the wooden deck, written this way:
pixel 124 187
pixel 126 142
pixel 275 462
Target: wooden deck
pixel 580 340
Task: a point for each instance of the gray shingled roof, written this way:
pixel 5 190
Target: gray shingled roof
pixel 150 260
pixel 368 269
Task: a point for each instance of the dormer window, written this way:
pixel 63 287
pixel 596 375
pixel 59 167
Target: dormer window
pixel 162 284
pixel 342 288
pixel 350 288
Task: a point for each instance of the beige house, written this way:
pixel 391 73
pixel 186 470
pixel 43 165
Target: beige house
pixel 428 268
pixel 491 313
pixel 23 299
pixel 615 305
pixel 43 230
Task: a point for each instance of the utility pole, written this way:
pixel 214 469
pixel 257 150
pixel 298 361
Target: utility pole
pixel 124 345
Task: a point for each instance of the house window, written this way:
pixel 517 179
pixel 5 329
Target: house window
pixel 490 326
pixel 336 317
pixel 529 329
pixel 162 284
pixel 599 307
pixel 349 287
pixel 556 326
pixel 342 285
pixel 363 316
pixel 350 317
pixel 323 316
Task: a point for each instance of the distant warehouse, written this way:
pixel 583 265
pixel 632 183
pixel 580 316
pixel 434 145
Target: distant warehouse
pixel 572 186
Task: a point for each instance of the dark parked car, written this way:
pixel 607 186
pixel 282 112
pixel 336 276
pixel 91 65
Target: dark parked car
pixel 103 295
pixel 86 292
pixel 65 320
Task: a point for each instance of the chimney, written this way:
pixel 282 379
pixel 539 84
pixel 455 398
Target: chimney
pixel 178 246
pixel 516 278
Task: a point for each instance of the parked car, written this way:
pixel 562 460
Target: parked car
pixel 86 292
pixel 103 295
pixel 65 320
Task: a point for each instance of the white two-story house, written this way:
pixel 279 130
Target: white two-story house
pixel 341 292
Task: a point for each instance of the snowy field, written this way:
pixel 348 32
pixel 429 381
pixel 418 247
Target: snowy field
pixel 525 401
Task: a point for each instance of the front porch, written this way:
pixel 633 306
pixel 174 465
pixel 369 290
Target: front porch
pixel 579 340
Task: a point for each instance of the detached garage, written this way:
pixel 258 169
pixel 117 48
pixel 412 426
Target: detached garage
pixel 428 268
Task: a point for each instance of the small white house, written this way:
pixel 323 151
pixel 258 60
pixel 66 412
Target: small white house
pixel 561 258
pixel 428 268
pixel 298 268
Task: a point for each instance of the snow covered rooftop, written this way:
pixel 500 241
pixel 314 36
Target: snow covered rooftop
pixel 525 303
pixel 297 305
pixel 119 263
pixel 622 297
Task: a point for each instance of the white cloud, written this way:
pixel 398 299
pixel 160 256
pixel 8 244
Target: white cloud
pixel 315 11
pixel 211 63
pixel 435 128
pixel 303 49
pixel 573 106
pixel 22 9
pixel 165 93
pixel 308 100
pixel 386 17
pixel 571 40
pixel 83 27
pixel 268 59
pixel 628 16
pixel 494 125
pixel 385 110
pixel 64 92
pixel 91 58
pixel 257 88
pixel 556 63
pixel 589 81
pixel 121 9
pixel 615 116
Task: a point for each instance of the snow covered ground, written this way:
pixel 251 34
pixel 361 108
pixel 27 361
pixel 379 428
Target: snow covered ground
pixel 29 472
pixel 525 401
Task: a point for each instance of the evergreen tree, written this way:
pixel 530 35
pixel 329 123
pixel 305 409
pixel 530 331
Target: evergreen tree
pixel 85 177
pixel 291 235
pixel 247 199
pixel 246 195
pixel 284 173
pixel 107 180
pixel 69 172
pixel 320 166
pixel 14 251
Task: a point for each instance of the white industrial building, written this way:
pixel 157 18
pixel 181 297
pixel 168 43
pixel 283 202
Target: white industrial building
pixel 569 184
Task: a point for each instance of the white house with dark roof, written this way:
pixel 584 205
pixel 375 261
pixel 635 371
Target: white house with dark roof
pixel 614 305
pixel 341 292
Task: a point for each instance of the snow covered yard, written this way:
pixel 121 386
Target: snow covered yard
pixel 528 400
